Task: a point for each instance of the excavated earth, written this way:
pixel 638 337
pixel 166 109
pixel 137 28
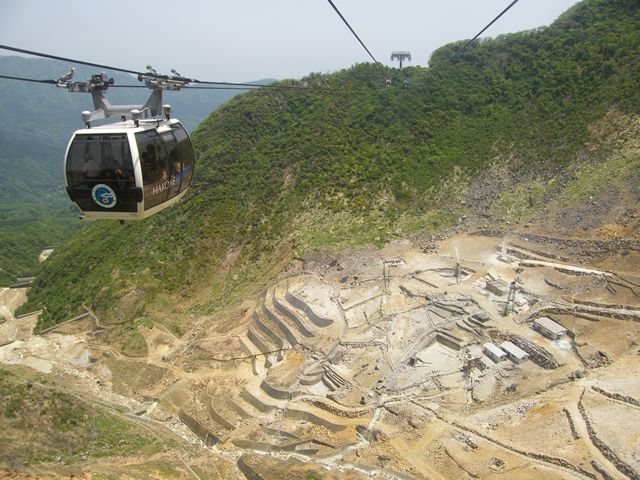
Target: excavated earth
pixel 371 363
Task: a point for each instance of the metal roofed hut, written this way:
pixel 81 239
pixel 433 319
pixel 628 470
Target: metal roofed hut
pixel 494 353
pixel 514 353
pixel 550 329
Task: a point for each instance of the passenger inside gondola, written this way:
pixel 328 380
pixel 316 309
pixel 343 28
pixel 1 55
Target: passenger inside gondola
pixel 176 168
pixel 91 168
pixel 151 153
pixel 161 174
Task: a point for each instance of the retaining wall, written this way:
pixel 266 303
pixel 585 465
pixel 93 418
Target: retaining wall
pixel 257 341
pixel 248 471
pixel 574 433
pixel 537 354
pixel 254 445
pixel 283 328
pixel 301 305
pixel 200 430
pixel 606 305
pixel 30 313
pixel 219 419
pixel 598 247
pixel 269 333
pixel 79 317
pixel 315 419
pixel 525 256
pixel 598 468
pixel 561 462
pixel 238 409
pixel 350 412
pixel 282 433
pixel 444 339
pixel 311 378
pixel 338 451
pixel 254 402
pixel 291 316
pixel 278 393
pixel 618 315
pixel 257 370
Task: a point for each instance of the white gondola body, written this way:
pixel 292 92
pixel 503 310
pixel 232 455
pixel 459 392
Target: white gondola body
pixel 128 170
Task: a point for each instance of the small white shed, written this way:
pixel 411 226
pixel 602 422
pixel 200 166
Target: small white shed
pixel 514 353
pixel 494 353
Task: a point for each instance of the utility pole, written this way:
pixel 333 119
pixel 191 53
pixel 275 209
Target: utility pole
pixel 401 56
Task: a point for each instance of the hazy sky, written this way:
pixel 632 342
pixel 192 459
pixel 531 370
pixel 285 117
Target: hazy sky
pixel 245 40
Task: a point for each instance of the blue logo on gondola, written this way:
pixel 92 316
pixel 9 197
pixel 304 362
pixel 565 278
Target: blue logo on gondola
pixel 104 195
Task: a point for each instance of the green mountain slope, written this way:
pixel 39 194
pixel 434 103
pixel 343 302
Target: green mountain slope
pixel 345 160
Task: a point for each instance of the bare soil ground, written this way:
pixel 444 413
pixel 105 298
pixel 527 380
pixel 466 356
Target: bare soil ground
pixel 368 363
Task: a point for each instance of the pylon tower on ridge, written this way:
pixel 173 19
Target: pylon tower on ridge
pixel 401 56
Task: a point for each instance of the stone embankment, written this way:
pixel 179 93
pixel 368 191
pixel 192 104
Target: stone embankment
pixel 537 354
pixel 574 432
pixel 616 396
pixel 586 310
pixel 608 453
pixel 561 462
pixel 586 249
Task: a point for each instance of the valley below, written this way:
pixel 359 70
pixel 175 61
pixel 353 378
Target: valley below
pixel 369 363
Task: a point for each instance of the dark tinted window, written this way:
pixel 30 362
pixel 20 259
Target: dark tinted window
pixel 167 163
pixel 154 164
pixel 100 173
pixel 186 152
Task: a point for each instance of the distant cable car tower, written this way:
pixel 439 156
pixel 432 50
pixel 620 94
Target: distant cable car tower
pixel 401 56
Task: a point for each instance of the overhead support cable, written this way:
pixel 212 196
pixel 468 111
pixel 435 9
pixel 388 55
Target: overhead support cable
pixel 474 38
pixel 52 82
pixel 354 33
pixel 241 86
pixel 134 72
pixel 63 59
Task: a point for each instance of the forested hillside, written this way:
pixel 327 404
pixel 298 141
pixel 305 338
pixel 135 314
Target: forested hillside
pixel 38 120
pixel 345 160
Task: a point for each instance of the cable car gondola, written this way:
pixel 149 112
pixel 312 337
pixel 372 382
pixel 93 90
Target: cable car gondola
pixel 131 169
